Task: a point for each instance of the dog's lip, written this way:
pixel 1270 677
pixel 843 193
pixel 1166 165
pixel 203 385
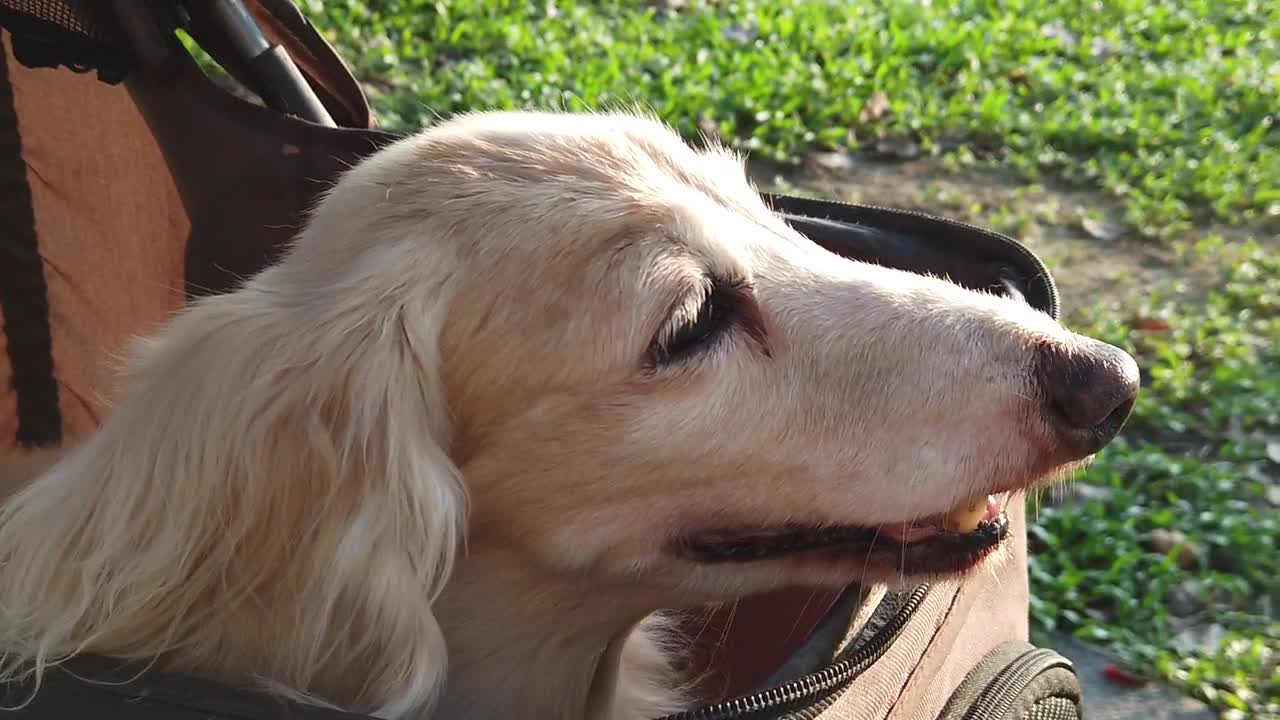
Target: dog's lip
pixel 924 544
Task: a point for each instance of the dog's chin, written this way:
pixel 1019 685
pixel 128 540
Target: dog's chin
pixel 943 545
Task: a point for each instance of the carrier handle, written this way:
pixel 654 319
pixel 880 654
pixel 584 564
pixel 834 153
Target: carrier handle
pixel 273 73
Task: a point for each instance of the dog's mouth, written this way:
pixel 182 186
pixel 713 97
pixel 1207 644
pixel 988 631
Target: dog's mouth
pixel 945 543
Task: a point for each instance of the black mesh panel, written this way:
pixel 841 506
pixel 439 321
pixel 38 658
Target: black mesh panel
pixel 80 34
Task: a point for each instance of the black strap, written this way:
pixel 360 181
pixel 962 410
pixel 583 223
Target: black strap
pixel 24 299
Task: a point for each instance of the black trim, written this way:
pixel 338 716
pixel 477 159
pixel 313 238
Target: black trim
pixel 24 295
pixel 91 687
pixel 920 242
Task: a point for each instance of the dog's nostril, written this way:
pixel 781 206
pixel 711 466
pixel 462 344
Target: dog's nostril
pixel 1091 387
pixel 1091 396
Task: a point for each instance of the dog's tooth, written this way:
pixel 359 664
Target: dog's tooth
pixel 966 519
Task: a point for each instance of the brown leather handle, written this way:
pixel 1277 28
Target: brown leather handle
pixel 329 76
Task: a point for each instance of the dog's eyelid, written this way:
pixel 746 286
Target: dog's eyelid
pixel 716 306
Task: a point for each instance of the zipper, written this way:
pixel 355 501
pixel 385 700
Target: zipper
pixel 808 206
pixel 1004 689
pixel 809 687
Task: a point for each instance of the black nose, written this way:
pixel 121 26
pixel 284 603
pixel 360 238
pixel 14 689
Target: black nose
pixel 1090 388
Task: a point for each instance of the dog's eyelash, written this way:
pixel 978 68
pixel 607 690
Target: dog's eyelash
pixel 721 307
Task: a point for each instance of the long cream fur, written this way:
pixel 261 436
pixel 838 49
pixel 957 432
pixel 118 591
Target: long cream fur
pixel 419 465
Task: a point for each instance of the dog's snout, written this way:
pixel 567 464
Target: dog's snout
pixel 1090 388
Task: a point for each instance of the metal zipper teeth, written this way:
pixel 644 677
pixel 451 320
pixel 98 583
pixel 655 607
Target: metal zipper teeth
pixel 825 680
pixel 1022 250
pixel 1003 690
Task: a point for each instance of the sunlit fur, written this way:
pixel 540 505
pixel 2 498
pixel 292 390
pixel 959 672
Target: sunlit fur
pixel 423 467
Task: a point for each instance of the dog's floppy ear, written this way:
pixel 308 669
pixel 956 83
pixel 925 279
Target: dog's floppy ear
pixel 273 492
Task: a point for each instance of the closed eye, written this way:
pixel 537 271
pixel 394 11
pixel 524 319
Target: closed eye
pixel 696 327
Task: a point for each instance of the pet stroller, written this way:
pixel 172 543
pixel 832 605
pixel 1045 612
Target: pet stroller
pixel 130 182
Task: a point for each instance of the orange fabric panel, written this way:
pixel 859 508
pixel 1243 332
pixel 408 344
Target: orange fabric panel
pixel 112 230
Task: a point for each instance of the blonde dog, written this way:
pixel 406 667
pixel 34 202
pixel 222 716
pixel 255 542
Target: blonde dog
pixel 522 381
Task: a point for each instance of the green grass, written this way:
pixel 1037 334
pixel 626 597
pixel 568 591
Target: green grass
pixel 1172 107
pixel 1198 457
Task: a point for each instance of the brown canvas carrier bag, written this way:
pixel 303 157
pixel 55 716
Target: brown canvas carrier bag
pixel 130 182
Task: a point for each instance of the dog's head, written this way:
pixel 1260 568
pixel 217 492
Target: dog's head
pixel 571 338
pixel 649 374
